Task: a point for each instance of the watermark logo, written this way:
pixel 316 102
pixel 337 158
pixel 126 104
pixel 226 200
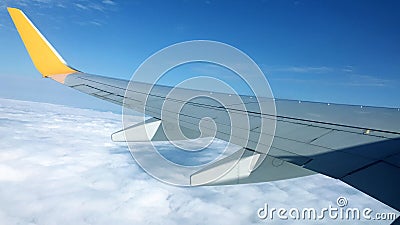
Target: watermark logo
pixel 198 107
pixel 340 211
pixel 341 201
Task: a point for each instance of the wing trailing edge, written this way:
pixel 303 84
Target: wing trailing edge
pixel 238 167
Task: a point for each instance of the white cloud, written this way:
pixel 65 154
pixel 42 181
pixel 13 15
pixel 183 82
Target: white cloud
pixel 81 6
pixel 303 69
pixel 368 81
pixel 95 5
pixel 108 2
pixel 58 166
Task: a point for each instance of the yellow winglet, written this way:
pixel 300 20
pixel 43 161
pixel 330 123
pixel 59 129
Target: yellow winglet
pixel 45 58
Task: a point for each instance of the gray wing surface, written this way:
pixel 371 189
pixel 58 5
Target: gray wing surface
pixel 358 145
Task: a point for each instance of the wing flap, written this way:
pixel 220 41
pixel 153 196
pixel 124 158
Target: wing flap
pixel 238 170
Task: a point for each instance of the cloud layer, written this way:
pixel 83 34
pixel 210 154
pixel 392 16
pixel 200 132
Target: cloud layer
pixel 59 166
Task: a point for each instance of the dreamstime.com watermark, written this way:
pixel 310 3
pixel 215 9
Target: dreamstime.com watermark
pixel 340 211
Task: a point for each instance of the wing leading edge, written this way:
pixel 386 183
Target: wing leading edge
pixel 358 145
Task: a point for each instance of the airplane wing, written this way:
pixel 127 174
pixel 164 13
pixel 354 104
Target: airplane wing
pixel 359 145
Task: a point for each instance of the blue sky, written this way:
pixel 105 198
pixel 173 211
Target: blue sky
pixel 329 51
